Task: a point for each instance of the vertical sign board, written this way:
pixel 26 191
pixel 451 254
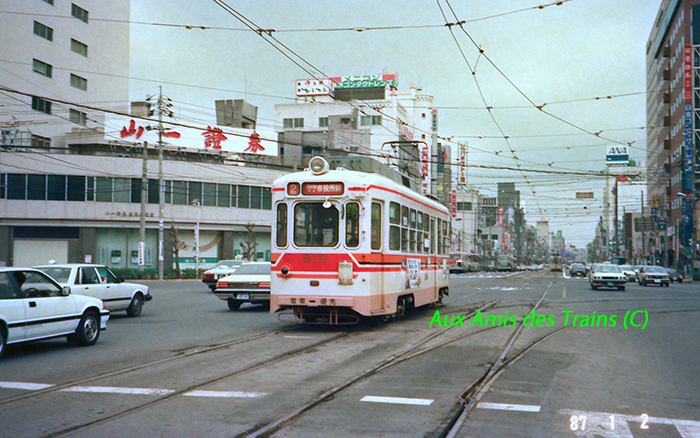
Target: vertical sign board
pixel 500 217
pixel 454 203
pixel 462 164
pixel 425 169
pixel 688 155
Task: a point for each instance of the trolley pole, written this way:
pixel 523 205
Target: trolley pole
pixel 144 195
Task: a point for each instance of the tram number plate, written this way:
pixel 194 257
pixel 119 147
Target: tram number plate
pixel 242 296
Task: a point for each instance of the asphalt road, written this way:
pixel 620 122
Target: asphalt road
pixel 188 366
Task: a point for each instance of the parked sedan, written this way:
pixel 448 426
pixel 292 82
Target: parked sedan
pixel 221 269
pixel 250 283
pixel 606 276
pixel 33 306
pixel 674 275
pixel 653 275
pixel 99 282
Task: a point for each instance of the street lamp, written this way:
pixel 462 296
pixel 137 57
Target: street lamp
pixel 197 205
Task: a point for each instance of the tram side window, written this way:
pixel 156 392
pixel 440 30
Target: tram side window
pixel 432 236
pixel 376 226
pixel 352 224
pixel 439 236
pixel 445 241
pixel 315 225
pixel 412 233
pixel 281 225
pixel 426 231
pixel 394 230
pixel 404 239
pixel 419 235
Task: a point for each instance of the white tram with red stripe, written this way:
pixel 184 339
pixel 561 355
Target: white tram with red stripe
pixel 347 244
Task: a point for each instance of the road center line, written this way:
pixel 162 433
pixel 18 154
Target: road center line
pixel 397 400
pixel 508 407
pixel 299 337
pixel 118 390
pixel 229 394
pixel 25 386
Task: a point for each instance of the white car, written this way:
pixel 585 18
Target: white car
pixel 99 282
pixel 222 269
pixel 249 283
pixel 33 306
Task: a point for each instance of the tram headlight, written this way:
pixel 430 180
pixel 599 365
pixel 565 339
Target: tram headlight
pixel 318 165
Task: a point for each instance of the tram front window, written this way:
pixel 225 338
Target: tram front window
pixel 315 225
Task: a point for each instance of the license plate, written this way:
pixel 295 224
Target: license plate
pixel 611 284
pixel 242 296
pixel 657 281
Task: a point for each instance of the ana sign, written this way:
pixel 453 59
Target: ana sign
pixel 617 155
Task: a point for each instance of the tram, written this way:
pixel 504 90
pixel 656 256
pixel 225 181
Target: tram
pixel 464 262
pixel 350 244
pixel 505 263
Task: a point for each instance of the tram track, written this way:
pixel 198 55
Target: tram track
pixel 183 355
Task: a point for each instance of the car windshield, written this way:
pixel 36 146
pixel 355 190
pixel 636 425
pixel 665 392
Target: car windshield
pixel 577 266
pixel 608 268
pixel 61 275
pixel 254 269
pixel 655 269
pixel 626 267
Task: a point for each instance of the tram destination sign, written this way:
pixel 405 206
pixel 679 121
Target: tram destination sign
pixel 326 189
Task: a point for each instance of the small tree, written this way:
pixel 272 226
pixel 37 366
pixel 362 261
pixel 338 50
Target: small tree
pixel 249 244
pixel 176 245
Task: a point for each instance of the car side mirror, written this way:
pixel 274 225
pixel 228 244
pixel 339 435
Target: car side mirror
pixel 120 280
pixel 65 291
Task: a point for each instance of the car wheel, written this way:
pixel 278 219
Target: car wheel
pixel 88 331
pixel 594 287
pixel 233 304
pixel 136 306
pixel 3 342
pixel 620 288
pixel 213 288
pixel 680 280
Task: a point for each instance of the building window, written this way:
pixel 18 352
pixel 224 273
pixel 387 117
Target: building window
pixel 370 120
pixel 36 187
pixel 41 142
pixel 78 47
pixel 323 122
pixel 78 82
pixel 293 123
pixel 43 31
pixel 79 13
pixel 103 189
pixel 209 194
pixel 49 2
pixel 40 104
pixel 223 195
pixel 42 68
pixel 16 185
pixel 76 188
pixel 464 206
pixel 77 117
pixel 56 188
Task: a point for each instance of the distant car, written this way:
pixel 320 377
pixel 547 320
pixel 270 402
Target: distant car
pixel 221 269
pixel 99 282
pixel 33 306
pixel 629 272
pixel 653 275
pixel 491 267
pixel 674 275
pixel 577 270
pixel 250 283
pixel 606 276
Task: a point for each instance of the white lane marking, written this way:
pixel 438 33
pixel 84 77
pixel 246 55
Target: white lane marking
pixel 299 337
pixel 118 390
pixel 229 394
pixel 508 407
pixel 26 386
pixel 601 421
pixel 397 400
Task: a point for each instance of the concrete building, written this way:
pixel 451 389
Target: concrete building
pixel 673 111
pixel 71 185
pixel 367 116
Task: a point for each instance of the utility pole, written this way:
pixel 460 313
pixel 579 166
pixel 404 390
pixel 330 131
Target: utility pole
pixel 161 185
pixel 144 195
pixel 643 232
pixel 617 238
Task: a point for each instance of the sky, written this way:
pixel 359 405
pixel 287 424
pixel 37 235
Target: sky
pixel 582 62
